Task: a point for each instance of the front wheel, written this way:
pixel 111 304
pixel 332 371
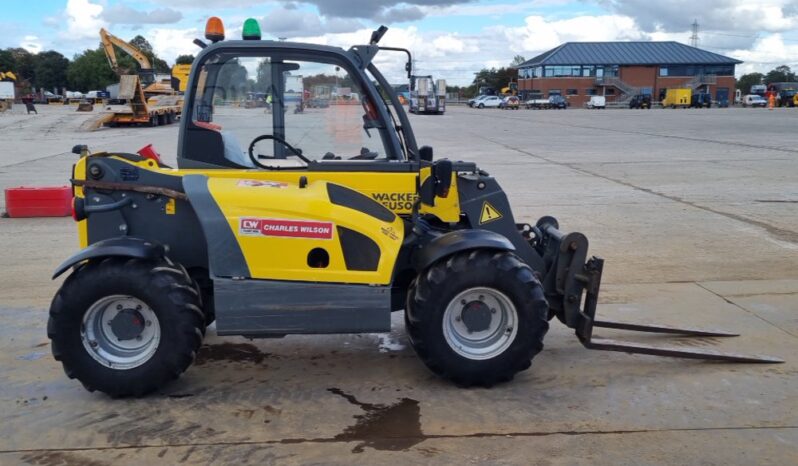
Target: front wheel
pixel 481 106
pixel 126 327
pixel 477 317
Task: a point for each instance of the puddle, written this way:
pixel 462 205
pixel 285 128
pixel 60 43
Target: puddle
pixel 235 352
pixel 393 427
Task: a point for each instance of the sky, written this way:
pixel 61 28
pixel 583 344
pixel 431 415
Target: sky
pixel 451 39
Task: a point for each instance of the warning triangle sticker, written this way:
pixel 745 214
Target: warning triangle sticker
pixel 489 213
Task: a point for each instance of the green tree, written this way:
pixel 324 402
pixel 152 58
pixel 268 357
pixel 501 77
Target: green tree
pixel 90 71
pixel 159 65
pixel 517 60
pixel 747 80
pixel 7 62
pixel 23 64
pixel 780 74
pixel 50 69
pixel 184 60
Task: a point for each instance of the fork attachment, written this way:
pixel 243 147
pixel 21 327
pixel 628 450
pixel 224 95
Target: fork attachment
pixel 571 281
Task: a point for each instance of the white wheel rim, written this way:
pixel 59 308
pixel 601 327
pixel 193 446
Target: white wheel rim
pixel 480 323
pixel 120 332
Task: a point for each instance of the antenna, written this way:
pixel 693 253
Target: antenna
pixel 694 37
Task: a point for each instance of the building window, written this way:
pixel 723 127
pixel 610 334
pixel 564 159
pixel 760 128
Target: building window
pixel 609 91
pixel 591 91
pixel 572 92
pixel 555 92
pixel 663 71
pixel 588 71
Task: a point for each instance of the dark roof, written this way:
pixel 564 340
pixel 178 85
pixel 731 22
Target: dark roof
pixel 627 53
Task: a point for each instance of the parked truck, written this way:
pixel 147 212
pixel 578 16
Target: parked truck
pixel 142 111
pixel 427 95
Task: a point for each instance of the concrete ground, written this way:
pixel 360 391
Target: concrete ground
pixel 693 210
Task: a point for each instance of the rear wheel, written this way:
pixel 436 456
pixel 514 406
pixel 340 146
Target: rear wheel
pixel 126 327
pixel 477 317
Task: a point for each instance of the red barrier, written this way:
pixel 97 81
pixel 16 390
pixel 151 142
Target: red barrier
pixel 48 201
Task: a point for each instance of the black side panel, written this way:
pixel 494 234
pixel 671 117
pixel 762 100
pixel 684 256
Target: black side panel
pixel 360 251
pixel 346 197
pixel 122 246
pixel 267 307
pixel 170 222
pixel 224 253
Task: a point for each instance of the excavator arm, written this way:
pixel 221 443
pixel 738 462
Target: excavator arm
pixel 109 41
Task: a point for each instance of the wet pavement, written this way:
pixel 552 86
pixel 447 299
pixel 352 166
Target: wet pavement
pixel 693 211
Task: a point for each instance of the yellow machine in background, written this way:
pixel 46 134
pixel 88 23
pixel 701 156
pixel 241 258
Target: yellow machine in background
pixel 180 77
pixel 677 97
pixel 7 91
pixel 511 89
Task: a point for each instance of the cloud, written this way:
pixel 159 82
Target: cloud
pixel 379 10
pixel 31 43
pixel 123 14
pixel 766 54
pixel 400 14
pixel 728 15
pixel 287 22
pixel 83 20
pixel 169 43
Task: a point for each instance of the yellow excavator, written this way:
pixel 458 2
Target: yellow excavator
pixel 150 81
pixel 7 76
pixel 152 100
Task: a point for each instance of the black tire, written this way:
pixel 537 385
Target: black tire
pixel 433 290
pixel 161 285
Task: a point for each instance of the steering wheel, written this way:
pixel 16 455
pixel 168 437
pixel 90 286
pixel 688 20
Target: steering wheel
pixel 282 141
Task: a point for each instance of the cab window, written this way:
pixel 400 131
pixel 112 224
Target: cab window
pixel 281 111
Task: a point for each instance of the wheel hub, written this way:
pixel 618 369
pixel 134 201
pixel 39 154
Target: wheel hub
pixel 476 316
pixel 480 323
pixel 120 332
pixel 128 324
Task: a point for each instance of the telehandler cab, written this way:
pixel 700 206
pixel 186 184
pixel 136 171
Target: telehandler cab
pixel 331 219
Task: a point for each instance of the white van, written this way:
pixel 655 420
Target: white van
pixel 597 101
pixel 753 100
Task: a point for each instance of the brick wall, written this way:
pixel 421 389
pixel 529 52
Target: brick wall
pixel 635 76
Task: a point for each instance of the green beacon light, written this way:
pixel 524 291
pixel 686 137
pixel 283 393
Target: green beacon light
pixel 251 30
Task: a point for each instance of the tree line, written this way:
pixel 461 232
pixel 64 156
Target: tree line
pixel 86 71
pixel 779 74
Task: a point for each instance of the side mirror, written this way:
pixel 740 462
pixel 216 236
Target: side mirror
pixel 425 153
pixel 442 174
pixel 78 149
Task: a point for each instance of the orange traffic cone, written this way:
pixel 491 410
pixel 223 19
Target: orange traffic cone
pixel 771 101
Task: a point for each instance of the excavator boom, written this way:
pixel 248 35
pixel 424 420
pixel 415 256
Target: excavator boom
pixel 109 41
